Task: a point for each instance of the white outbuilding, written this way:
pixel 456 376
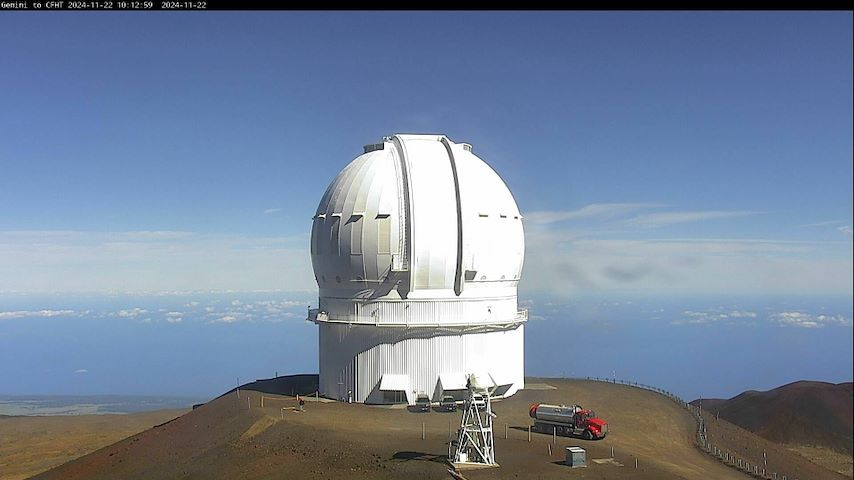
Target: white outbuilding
pixel 417 248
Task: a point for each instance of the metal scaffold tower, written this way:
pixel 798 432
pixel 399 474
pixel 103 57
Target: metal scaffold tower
pixel 475 445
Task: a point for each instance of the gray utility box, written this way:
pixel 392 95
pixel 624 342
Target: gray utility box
pixel 576 457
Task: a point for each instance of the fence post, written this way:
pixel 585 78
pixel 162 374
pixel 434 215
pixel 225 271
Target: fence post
pixel 554 434
pixel 529 434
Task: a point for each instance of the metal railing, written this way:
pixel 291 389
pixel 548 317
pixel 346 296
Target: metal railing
pixel 316 315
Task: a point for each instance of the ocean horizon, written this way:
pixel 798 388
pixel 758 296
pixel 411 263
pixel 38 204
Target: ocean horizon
pixel 54 405
pixel 192 345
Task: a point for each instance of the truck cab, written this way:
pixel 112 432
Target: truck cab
pixel 593 426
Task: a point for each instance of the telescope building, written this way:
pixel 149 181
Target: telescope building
pixel 417 248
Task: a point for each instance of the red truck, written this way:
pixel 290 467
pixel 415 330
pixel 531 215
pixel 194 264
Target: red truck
pixel 568 420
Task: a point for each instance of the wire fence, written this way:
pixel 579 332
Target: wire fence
pixel 723 455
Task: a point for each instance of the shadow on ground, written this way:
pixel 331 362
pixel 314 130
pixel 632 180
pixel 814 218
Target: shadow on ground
pixel 420 457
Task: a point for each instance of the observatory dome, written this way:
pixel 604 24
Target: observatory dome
pixel 417 216
pixel 417 232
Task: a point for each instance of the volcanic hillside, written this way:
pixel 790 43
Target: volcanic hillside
pixel 800 413
pixel 233 436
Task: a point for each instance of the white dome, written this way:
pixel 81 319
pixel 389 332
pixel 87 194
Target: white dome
pixel 420 233
pixel 417 217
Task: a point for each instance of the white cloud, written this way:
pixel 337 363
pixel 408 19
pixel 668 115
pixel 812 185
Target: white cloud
pixel 174 319
pixel 152 261
pixel 131 313
pixel 226 319
pixel 270 211
pixel 555 264
pixel 274 310
pixel 558 260
pixel 655 220
pixel 149 235
pixel 808 320
pixel 821 224
pixel 595 210
pixel 606 254
pixel 692 317
pixel 81 370
pixel 36 313
pixel 840 225
pixel 798 319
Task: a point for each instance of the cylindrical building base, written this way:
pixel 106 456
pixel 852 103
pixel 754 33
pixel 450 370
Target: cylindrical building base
pixel 379 365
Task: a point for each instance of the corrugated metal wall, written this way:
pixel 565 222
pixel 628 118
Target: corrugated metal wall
pixel 358 356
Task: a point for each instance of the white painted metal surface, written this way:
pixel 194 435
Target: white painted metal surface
pixel 417 247
pixel 391 382
pixel 453 381
pixel 475 442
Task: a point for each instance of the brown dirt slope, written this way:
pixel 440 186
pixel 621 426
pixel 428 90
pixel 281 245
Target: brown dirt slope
pixel 739 446
pixel 29 445
pixel 801 413
pixel 233 437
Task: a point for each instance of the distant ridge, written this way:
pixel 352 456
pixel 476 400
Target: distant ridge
pixel 800 413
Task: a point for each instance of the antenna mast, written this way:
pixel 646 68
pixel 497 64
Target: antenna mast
pixel 475 444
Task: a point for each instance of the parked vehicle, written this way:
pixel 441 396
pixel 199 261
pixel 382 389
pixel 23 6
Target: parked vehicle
pixel 448 404
pixel 422 403
pixel 571 420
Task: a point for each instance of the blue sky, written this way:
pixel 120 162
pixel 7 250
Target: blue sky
pixel 690 153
